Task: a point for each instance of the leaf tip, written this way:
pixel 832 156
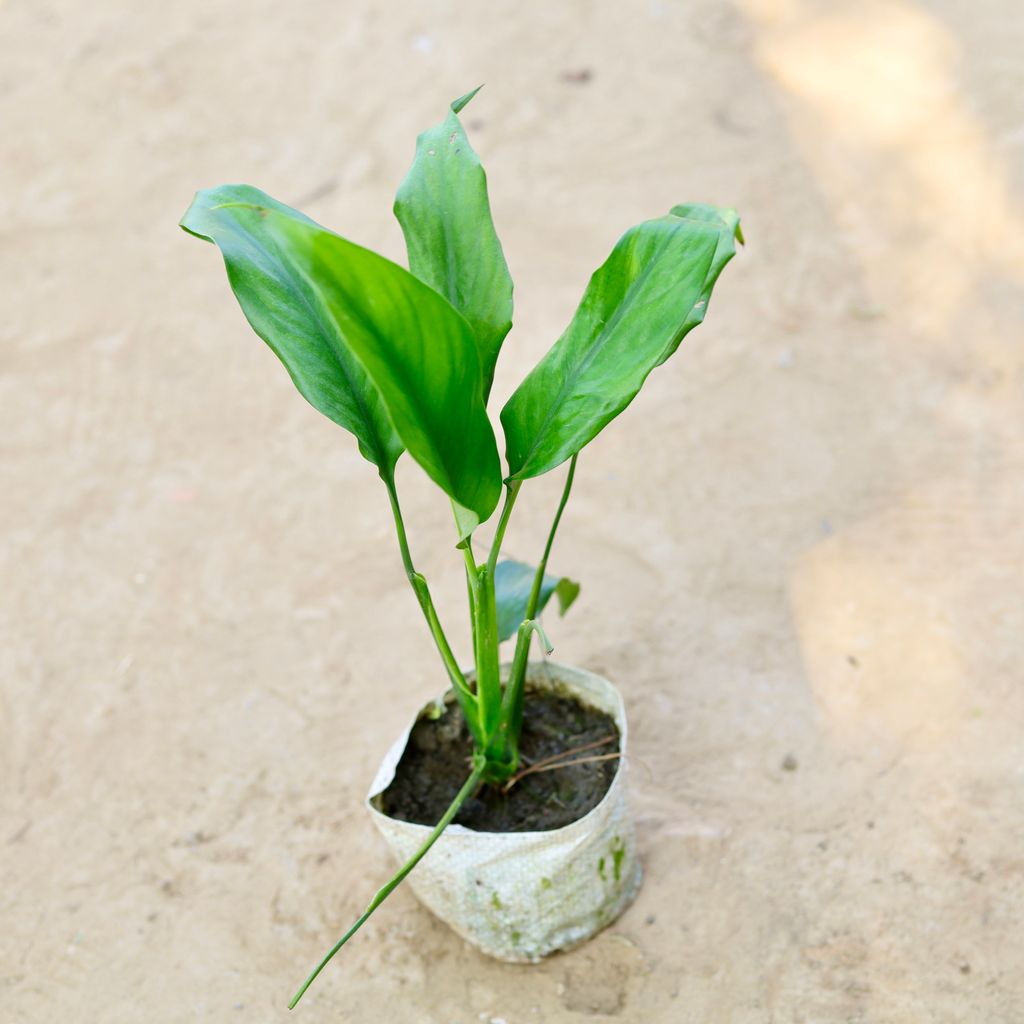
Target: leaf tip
pixel 188 221
pixel 460 103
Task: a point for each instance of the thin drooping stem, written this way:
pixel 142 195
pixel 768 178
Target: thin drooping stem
pixel 419 585
pixel 467 788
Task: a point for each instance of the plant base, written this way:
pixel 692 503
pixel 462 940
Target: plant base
pixel 520 896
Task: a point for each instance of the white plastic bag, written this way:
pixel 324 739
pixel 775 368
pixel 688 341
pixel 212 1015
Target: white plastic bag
pixel 519 896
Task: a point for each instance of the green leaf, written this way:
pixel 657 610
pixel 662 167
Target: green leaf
pixel 323 302
pixel 466 521
pixel 566 591
pixel 445 216
pixel 275 301
pixel 724 251
pixel 637 307
pixel 513 582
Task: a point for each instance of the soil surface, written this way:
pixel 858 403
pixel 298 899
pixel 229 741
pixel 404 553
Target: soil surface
pixel 800 547
pixel 434 767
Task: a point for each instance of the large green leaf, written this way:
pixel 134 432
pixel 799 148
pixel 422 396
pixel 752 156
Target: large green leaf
pixel 445 215
pixel 276 302
pixel 323 302
pixel 635 311
pixel 513 582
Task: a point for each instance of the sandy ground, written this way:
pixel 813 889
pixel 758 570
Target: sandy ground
pixel 801 549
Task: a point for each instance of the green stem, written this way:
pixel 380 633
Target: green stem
pixel 488 676
pixel 468 787
pixel 477 609
pixel 511 490
pixel 485 636
pixel 471 585
pixel 419 585
pixel 512 703
pixel 511 718
pixel 538 579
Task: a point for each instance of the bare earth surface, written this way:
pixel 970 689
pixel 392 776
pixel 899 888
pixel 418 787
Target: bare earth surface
pixel 801 549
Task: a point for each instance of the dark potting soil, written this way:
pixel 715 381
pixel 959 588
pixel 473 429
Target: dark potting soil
pixel 435 765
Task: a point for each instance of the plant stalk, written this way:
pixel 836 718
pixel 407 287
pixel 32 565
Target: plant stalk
pixel 488 676
pixel 538 579
pixel 512 703
pixel 471 567
pixel 467 789
pixel 485 638
pixel 465 695
pixel 511 492
pixel 512 708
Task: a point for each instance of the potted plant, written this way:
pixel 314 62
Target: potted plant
pixel 525 758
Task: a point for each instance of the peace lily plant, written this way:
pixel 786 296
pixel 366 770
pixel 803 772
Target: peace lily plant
pixel 404 360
